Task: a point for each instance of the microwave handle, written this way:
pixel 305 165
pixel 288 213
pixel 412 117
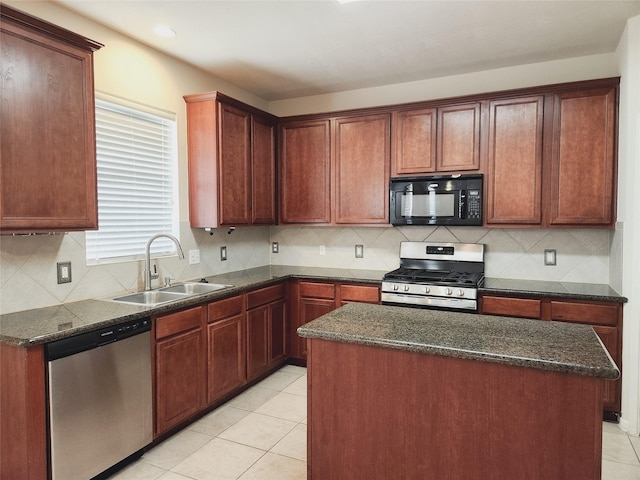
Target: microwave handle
pixel 462 208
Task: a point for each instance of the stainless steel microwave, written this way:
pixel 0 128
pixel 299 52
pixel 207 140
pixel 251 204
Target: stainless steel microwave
pixel 436 200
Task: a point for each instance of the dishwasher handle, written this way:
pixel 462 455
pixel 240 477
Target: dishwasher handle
pixel 97 338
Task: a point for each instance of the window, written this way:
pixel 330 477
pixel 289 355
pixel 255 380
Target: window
pixel 137 170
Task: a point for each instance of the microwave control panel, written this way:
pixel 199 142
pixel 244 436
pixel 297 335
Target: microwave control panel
pixel 474 204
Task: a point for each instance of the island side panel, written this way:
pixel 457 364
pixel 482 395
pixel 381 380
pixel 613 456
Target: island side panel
pixel 384 413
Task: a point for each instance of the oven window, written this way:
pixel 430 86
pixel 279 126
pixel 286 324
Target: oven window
pixel 431 204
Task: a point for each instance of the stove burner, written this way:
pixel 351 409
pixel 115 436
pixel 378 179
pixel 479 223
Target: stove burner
pixel 426 275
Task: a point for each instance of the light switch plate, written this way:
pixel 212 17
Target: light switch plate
pixel 274 247
pixel 64 272
pixel 359 251
pixel 194 257
pixel 550 257
pixel 223 253
pixel 323 250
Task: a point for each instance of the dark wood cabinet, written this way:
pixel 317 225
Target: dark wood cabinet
pixel 47 126
pixel 583 166
pixel 458 139
pixel 514 162
pixel 180 373
pixel 305 172
pixel 226 347
pixel 362 158
pixel 414 142
pixel 604 317
pixel 231 149
pixel 266 329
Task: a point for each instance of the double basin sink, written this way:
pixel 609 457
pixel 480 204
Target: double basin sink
pixel 172 293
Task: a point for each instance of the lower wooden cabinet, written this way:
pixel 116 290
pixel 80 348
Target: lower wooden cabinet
pixel 226 355
pixel 604 317
pixel 266 329
pixel 180 360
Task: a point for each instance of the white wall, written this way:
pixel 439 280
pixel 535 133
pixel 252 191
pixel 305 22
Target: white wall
pixel 626 239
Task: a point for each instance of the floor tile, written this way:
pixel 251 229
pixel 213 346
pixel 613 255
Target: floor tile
pixel 276 467
pixel 619 471
pixel 294 444
pixel 294 369
pixel 139 470
pixel 260 431
pixel 251 399
pixel 635 442
pixel 176 448
pixel 218 460
pixel 285 405
pixel 618 448
pixel 173 476
pixel 612 428
pixel 218 421
pixel 278 380
pixel 299 387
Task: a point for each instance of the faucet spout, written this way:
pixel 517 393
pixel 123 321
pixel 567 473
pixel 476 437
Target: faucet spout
pixel 147 256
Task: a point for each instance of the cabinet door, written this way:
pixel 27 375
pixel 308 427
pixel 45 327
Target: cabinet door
pixel 414 142
pixel 305 172
pixel 514 180
pixel 359 293
pixel 48 149
pixel 180 370
pixel 362 156
pixel 234 165
pixel 310 309
pixel 458 145
pixel 511 307
pixel 257 341
pixel 277 331
pixel 583 167
pixel 612 389
pixel 226 356
pixel 263 173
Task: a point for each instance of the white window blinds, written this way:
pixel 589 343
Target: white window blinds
pixel 137 167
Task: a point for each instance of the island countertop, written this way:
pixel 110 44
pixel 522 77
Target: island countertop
pixel 544 345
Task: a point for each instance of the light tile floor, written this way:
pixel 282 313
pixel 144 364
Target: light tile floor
pixel 262 435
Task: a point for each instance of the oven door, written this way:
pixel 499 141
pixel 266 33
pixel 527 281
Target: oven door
pixel 423 301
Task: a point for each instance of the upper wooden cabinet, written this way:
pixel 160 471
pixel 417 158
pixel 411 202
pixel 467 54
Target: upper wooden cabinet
pixel 430 140
pixel 514 161
pixel 362 156
pixel 305 172
pixel 583 166
pixel 47 127
pixel 231 162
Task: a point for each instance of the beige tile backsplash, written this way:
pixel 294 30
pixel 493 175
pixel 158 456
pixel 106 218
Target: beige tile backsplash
pixel 28 264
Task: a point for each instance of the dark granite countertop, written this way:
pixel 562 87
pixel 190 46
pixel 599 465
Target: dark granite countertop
pixel 553 346
pixel 42 325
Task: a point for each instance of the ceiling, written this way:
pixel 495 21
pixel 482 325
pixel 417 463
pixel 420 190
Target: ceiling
pixel 286 49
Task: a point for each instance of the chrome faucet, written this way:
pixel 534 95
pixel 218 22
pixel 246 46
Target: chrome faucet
pixel 147 257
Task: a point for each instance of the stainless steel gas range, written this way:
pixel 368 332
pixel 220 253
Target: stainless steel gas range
pixel 436 275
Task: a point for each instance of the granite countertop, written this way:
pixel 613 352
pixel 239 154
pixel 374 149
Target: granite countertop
pixel 42 325
pixel 552 346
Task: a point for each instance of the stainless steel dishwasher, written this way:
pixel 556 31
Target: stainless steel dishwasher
pixel 100 399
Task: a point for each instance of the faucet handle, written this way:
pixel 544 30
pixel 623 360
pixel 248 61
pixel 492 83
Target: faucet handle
pixel 167 281
pixel 153 274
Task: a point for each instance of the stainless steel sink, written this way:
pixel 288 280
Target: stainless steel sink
pixel 150 298
pixel 194 288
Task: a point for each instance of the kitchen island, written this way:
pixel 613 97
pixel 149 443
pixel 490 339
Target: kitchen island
pixel 400 393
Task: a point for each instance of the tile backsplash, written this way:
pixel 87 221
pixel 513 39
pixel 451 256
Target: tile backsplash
pixel 28 264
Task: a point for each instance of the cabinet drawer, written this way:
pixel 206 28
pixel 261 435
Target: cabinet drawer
pixel 359 293
pixel 183 321
pixel 317 290
pixel 225 308
pixel 596 313
pixel 265 295
pixel 513 307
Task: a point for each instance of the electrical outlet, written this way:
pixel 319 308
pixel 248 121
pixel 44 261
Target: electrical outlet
pixel 194 257
pixel 223 253
pixel 64 272
pixel 359 251
pixel 323 250
pixel 550 257
pixel 274 247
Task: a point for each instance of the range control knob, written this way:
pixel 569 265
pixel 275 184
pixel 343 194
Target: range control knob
pixel 395 287
pixel 427 289
pixel 460 292
pixel 448 291
pixel 406 288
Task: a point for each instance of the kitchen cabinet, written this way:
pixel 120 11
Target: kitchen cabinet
pixel 362 158
pixel 310 300
pixel 226 347
pixel 305 172
pixel 231 148
pixel 583 157
pixel 181 363
pixel 435 140
pixel 48 149
pixel 266 329
pixel 605 317
pixel 514 163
